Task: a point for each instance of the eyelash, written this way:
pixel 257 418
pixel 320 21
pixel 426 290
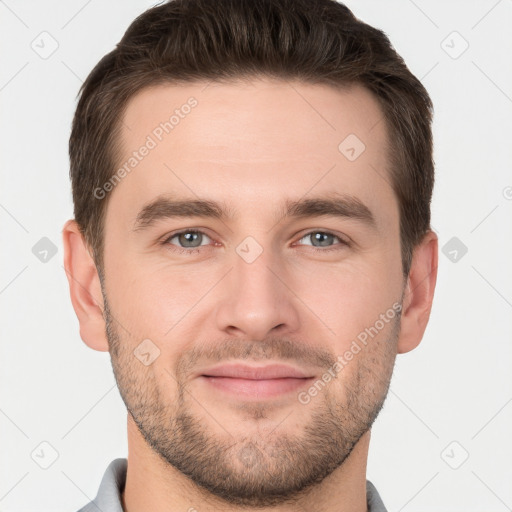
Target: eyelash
pixel 194 250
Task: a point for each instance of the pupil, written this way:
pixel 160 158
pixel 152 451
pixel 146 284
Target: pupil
pixel 323 238
pixel 187 238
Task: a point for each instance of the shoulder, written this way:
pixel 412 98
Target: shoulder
pixel 373 499
pixel 111 487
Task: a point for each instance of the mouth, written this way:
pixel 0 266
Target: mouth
pixel 251 382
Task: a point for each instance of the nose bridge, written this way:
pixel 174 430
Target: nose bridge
pixel 255 301
pixel 255 280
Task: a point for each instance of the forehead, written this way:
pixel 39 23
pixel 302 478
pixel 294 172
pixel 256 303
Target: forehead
pixel 318 116
pixel 252 143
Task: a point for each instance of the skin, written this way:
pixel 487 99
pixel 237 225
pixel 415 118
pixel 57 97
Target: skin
pixel 192 446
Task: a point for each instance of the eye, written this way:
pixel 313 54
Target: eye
pixel 188 239
pixel 321 239
pixel 191 240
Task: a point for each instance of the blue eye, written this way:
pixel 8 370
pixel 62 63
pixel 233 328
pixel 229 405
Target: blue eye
pixel 321 239
pixel 188 239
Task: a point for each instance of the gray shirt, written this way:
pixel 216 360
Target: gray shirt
pixel 112 485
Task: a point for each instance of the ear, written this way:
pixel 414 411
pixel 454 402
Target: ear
pixel 419 293
pixel 84 287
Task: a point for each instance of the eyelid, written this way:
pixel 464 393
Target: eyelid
pixel 344 241
pixel 172 235
pixel 343 238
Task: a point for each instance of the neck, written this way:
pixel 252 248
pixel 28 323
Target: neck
pixel 152 484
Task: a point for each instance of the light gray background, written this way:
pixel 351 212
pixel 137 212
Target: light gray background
pixel 450 398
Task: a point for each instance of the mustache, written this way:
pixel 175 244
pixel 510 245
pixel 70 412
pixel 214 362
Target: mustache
pixel 300 353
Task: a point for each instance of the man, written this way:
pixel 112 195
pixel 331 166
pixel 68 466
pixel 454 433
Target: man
pixel 252 184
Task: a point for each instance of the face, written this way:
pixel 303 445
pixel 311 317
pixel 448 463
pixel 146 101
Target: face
pixel 253 236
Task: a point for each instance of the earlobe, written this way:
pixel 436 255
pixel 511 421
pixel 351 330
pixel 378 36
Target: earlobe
pixel 84 287
pixel 419 293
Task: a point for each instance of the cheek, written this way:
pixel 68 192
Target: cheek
pixel 349 298
pixel 155 301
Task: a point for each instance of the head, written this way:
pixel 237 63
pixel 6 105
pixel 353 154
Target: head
pixel 252 182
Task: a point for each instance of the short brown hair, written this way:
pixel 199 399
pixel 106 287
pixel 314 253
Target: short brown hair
pixel 315 41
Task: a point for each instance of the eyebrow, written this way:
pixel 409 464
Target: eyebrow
pixel 338 205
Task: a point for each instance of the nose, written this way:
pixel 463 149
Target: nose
pixel 256 300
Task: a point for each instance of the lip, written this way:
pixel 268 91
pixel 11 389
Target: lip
pixel 242 371
pixel 255 382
